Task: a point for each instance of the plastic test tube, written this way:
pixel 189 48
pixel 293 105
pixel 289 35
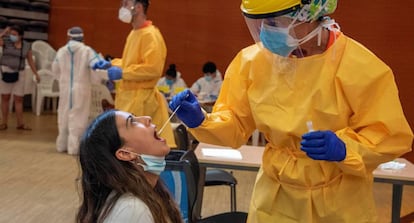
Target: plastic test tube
pixel 309 124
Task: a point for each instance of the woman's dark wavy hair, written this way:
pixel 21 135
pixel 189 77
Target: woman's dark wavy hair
pixel 102 173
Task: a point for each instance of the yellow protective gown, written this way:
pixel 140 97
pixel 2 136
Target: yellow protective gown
pixel 142 66
pixel 348 90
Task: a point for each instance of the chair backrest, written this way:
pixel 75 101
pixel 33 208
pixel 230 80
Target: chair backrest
pixel 99 92
pixel 181 137
pixel 181 176
pixel 48 84
pixel 44 54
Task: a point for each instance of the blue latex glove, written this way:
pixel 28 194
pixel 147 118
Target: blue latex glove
pixel 190 111
pixel 114 73
pixel 102 64
pixel 323 145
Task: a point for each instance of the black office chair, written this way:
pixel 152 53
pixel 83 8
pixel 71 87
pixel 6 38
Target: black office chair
pixel 182 169
pixel 214 177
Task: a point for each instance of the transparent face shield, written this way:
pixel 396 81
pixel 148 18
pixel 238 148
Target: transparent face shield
pixel 283 65
pixel 278 35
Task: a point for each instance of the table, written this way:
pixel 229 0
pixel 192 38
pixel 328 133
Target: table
pixel 252 160
pixel 398 178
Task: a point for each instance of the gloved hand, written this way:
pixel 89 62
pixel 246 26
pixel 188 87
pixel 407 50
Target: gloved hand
pixel 114 73
pixel 323 145
pixel 102 64
pixel 190 111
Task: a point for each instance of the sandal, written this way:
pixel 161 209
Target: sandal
pixel 3 126
pixel 23 127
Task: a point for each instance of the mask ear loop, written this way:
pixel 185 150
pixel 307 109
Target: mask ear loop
pixel 333 27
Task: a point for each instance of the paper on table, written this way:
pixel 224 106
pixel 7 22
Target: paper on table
pixel 222 153
pixel 392 165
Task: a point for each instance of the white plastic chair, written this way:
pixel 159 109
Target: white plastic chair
pixel 44 54
pixel 48 87
pixel 99 93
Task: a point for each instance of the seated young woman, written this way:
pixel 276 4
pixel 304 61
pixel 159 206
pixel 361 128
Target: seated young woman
pixel 121 157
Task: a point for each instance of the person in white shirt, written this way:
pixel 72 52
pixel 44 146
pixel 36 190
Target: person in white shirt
pixel 171 83
pixel 208 87
pixel 121 157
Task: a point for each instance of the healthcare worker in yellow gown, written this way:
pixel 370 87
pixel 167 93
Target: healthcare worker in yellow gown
pixel 141 67
pixel 328 107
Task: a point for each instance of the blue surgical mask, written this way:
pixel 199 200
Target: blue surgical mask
pixel 208 77
pixel 14 38
pixel 169 82
pixel 153 164
pixel 278 40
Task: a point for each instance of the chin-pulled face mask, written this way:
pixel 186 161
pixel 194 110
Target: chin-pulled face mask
pixel 14 38
pixel 125 15
pixel 153 164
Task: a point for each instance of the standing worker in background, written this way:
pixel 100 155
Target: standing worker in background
pixel 12 65
pixel 73 69
pixel 141 67
pixel 328 107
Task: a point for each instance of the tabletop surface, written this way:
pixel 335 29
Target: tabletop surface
pixel 252 157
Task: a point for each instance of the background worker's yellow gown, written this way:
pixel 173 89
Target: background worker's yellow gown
pixel 348 90
pixel 142 66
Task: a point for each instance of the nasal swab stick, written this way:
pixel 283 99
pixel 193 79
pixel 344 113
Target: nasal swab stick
pixel 168 120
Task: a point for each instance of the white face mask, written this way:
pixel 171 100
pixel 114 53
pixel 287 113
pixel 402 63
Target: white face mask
pixel 125 15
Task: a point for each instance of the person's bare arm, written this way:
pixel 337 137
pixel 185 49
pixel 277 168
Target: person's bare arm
pixel 32 65
pixel 5 32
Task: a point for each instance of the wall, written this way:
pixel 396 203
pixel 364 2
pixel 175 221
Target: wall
pixel 197 31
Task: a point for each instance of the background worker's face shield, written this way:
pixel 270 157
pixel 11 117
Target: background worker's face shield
pixel 129 4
